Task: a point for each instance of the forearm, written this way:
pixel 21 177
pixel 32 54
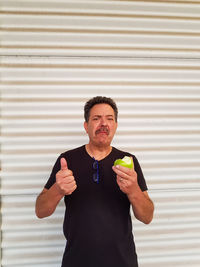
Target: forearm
pixel 142 206
pixel 47 202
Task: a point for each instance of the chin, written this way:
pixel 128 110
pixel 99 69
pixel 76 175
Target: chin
pixel 104 144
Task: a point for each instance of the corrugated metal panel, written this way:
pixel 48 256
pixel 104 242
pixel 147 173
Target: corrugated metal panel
pixel 101 28
pixel 145 55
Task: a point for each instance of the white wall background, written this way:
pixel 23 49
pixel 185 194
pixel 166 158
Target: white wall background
pixel 55 55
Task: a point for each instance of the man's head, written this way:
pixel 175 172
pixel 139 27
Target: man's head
pixel 99 100
pixel 100 120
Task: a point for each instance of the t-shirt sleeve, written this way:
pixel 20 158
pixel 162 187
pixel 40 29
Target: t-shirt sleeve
pixel 140 176
pixel 52 178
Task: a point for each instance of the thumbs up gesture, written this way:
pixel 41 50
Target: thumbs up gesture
pixel 65 180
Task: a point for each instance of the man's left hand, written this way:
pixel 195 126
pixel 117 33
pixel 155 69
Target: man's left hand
pixel 126 179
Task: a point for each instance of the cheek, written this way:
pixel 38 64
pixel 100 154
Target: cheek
pixel 113 128
pixel 91 130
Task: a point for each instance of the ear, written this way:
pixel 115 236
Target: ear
pixel 86 126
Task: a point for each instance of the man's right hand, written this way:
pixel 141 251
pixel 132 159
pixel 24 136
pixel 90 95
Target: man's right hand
pixel 65 180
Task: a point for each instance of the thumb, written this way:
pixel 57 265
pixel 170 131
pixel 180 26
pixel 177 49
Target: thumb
pixel 63 164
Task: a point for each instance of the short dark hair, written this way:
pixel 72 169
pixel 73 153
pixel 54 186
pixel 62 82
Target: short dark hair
pixel 99 100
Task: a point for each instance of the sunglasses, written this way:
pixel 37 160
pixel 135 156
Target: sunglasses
pixel 95 167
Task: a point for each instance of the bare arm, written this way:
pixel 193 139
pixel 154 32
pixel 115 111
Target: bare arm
pixel 48 199
pixel 142 205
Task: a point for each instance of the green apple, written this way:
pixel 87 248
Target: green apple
pixel 125 162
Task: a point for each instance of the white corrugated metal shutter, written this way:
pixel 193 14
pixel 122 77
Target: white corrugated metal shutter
pixel 144 54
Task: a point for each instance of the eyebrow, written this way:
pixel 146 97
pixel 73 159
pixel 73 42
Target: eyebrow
pixel 101 116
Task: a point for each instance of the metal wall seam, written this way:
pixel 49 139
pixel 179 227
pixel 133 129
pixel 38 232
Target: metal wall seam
pixel 86 28
pixel 0 174
pixel 55 56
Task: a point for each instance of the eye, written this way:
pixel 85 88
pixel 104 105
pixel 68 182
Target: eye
pixel 95 118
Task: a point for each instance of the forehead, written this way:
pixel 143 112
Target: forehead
pixel 101 109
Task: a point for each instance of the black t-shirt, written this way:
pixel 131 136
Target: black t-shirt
pixel 97 222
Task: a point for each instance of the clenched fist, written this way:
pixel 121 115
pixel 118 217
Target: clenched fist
pixel 65 180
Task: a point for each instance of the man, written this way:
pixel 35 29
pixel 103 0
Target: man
pixel 97 195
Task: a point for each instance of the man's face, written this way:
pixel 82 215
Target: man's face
pixel 101 125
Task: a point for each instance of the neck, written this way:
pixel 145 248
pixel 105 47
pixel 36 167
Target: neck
pixel 98 152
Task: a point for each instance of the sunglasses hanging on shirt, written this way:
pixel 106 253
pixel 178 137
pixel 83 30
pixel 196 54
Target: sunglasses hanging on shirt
pixel 95 167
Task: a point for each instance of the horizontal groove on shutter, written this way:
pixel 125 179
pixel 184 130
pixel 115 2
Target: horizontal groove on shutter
pixel 57 55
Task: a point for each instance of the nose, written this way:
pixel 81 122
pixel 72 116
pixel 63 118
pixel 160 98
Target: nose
pixel 103 121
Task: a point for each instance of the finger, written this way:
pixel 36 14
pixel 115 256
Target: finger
pixel 72 190
pixel 70 186
pixel 69 180
pixel 120 179
pixel 126 176
pixel 63 164
pixel 122 171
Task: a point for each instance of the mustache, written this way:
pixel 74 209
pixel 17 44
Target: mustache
pixel 102 129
